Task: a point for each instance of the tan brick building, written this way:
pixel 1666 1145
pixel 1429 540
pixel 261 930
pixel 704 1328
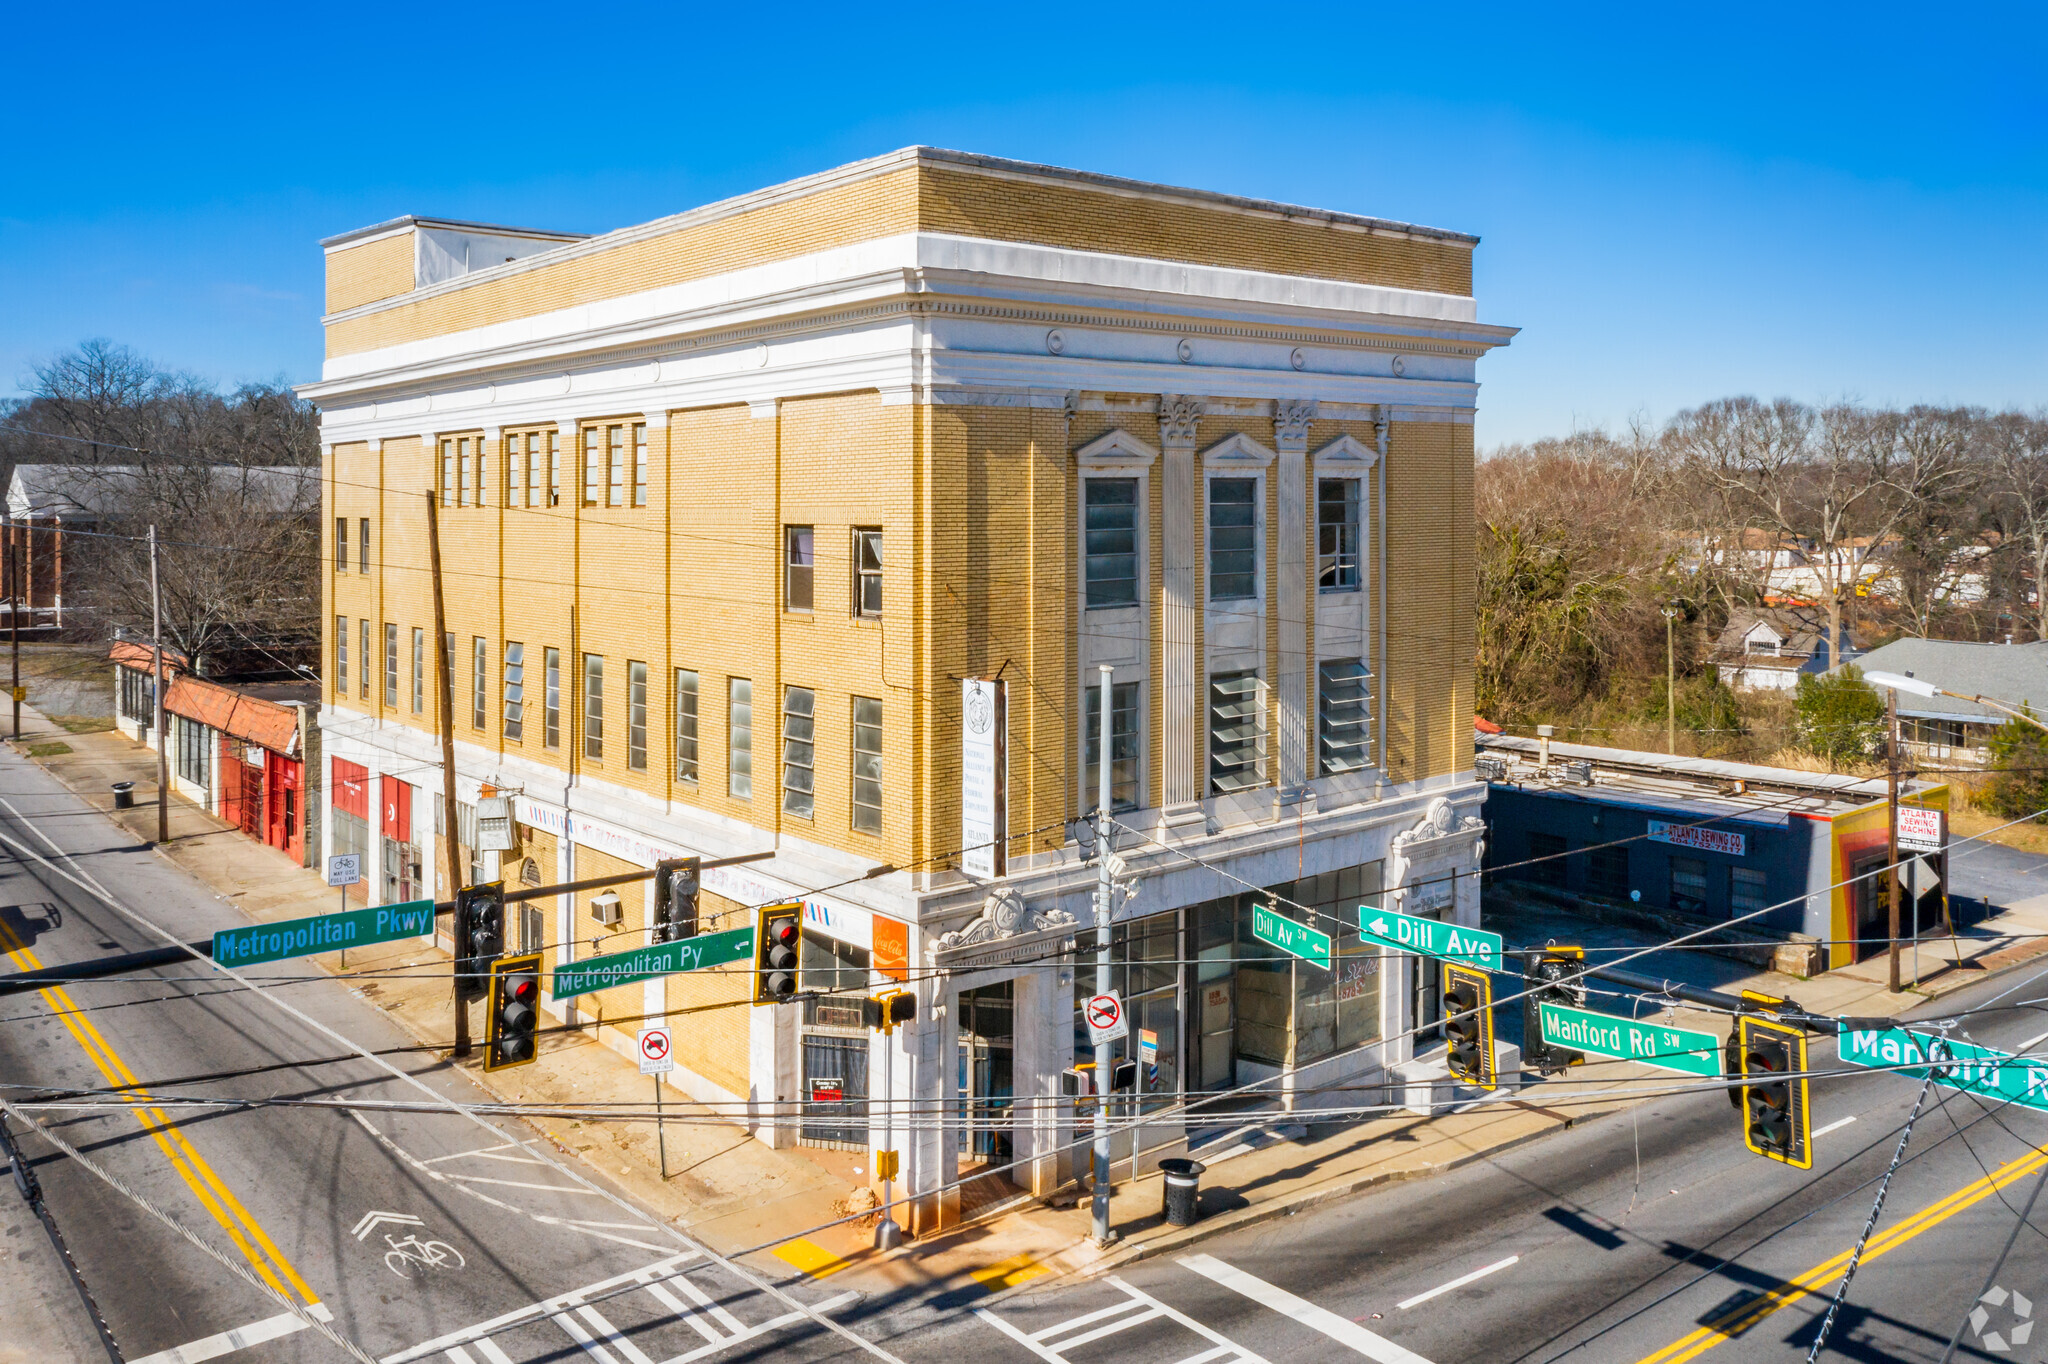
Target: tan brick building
pixel 737 505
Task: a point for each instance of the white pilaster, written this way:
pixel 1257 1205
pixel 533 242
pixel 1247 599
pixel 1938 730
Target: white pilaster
pixel 1181 684
pixel 1291 418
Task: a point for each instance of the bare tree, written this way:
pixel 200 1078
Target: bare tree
pixel 2016 451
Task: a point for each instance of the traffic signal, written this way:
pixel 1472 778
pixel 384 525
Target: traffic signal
pixel 1775 1119
pixel 883 1012
pixel 479 936
pixel 513 1017
pixel 675 898
pixel 778 939
pixel 1555 976
pixel 1468 1024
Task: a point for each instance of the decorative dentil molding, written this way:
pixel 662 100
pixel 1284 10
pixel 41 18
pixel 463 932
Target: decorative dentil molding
pixel 1178 415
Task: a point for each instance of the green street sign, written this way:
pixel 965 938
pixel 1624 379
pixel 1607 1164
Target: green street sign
pixel 656 959
pixel 323 933
pixel 1965 1066
pixel 1277 930
pixel 1653 1044
pixel 1430 937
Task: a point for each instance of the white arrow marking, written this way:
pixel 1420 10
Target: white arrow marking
pixel 373 1220
pixel 1379 926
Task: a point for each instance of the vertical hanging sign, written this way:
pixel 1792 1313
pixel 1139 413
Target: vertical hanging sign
pixel 984 723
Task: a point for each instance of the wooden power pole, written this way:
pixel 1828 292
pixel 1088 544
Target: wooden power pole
pixel 156 641
pixel 447 691
pixel 1891 746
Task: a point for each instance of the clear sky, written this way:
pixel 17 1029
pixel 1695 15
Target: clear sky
pixel 1677 203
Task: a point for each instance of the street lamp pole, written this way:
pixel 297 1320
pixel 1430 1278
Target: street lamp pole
pixel 1670 610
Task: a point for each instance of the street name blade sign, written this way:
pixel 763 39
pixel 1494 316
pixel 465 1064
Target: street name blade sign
pixel 660 959
pixel 1430 937
pixel 1106 1019
pixel 1277 930
pixel 323 933
pixel 1689 1053
pixel 656 1054
pixel 2020 1080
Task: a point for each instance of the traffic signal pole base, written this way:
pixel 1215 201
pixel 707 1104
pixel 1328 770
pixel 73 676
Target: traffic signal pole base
pixel 888 1235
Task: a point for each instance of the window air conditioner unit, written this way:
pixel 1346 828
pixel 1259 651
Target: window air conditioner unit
pixel 605 908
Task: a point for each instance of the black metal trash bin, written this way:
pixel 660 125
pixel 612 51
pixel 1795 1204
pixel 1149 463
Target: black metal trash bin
pixel 1183 1188
pixel 124 795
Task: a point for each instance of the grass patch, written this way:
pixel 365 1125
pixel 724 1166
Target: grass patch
pixel 49 750
pixel 85 724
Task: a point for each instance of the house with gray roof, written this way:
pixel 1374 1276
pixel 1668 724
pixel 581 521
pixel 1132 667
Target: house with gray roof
pixel 1946 728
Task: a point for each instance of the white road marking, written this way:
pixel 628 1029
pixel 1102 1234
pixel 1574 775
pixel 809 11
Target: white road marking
pixel 488 1153
pixel 373 1220
pixel 2023 1048
pixel 241 1338
pixel 1139 1308
pixel 1837 1125
pixel 1464 1279
pixel 515 1184
pixel 1348 1333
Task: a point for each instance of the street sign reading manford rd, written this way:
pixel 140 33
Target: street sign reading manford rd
pixel 659 959
pixel 1689 1053
pixel 2019 1080
pixel 323 933
pixel 1277 930
pixel 1430 937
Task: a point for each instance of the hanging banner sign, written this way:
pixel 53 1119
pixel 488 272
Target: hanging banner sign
pixel 983 720
pixel 1697 836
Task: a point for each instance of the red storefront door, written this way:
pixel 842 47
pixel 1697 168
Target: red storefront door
pixel 241 785
pixel 284 814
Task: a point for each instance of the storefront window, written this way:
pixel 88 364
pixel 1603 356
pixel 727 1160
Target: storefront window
pixel 839 972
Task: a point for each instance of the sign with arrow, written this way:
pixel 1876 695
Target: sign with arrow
pixel 1653 1044
pixel 658 959
pixel 1430 937
pixel 1277 930
pixel 1999 1075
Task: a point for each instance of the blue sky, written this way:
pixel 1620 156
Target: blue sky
pixel 1675 205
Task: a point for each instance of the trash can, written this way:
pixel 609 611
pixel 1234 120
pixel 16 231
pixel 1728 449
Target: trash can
pixel 124 795
pixel 1183 1187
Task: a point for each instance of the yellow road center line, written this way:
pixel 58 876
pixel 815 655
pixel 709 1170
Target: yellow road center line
pixel 207 1186
pixel 1785 1294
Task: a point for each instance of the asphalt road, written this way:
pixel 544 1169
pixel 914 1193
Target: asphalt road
pixel 407 1230
pixel 1650 1235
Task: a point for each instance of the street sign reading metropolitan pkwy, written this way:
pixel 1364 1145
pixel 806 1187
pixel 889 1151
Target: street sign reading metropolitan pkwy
pixel 2020 1080
pixel 659 959
pixel 1431 937
pixel 1277 930
pixel 1689 1053
pixel 323 933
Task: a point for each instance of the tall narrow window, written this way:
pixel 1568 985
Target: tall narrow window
pixel 363 559
pixel 798 565
pixel 1237 732
pixel 479 682
pixel 554 468
pixel 593 465
pixel 390 665
pixel 593 707
pixel 419 670
pixel 1343 715
pixel 363 658
pixel 867 570
pixel 515 468
pixel 686 726
pixel 537 447
pixel 1123 746
pixel 447 473
pixel 1336 534
pixel 515 691
pixel 636 716
pixel 462 471
pixel 1233 539
pixel 483 478
pixel 341 544
pixel 799 751
pixel 640 464
pixel 340 657
pixel 867 765
pixel 615 466
pixel 739 730
pixel 1110 541
pixel 551 698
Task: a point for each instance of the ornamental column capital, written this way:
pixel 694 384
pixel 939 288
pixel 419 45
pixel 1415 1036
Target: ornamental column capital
pixel 1178 415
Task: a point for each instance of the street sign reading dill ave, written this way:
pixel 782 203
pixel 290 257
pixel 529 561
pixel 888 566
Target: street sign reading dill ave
pixel 2019 1080
pixel 657 959
pixel 1689 1053
pixel 1473 947
pixel 1277 930
pixel 323 933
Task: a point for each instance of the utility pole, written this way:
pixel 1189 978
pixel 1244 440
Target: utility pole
pixel 1891 746
pixel 1670 681
pixel 447 727
pixel 156 641
pixel 14 617
pixel 1103 1064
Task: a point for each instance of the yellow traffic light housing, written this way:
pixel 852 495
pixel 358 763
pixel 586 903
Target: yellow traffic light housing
pixel 1468 1024
pixel 778 948
pixel 512 1019
pixel 1776 1119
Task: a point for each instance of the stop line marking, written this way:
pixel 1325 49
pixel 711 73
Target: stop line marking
pixel 1458 1282
pixel 1349 1333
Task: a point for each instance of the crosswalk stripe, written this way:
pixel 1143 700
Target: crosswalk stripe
pixel 632 1352
pixel 1076 1323
pixel 685 1311
pixel 1347 1333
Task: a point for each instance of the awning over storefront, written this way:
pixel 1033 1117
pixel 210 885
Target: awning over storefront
pixel 263 723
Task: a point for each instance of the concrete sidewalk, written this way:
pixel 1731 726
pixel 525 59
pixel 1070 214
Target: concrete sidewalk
pixel 739 1196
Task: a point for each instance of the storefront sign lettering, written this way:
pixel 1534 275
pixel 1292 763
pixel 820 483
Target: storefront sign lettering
pixel 1700 837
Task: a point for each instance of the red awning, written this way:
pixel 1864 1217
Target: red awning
pixel 264 723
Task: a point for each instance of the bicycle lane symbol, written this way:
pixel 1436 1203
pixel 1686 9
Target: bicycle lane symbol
pixel 408 1250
